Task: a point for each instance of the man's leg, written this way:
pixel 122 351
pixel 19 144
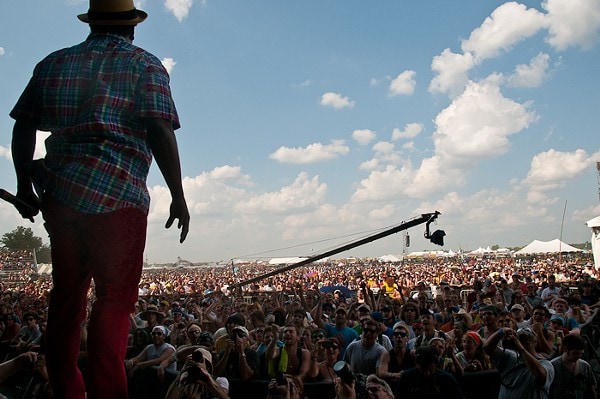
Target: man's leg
pixel 116 256
pixel 68 302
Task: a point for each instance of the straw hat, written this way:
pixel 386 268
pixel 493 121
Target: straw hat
pixel 113 12
pixel 468 319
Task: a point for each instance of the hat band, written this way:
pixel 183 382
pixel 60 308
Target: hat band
pixel 119 15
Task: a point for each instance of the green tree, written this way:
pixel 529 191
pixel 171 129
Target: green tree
pixel 21 238
pixel 43 254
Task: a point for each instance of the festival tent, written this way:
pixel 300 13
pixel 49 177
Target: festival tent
pixel 594 224
pixel 544 247
pixel 389 258
pixel 480 251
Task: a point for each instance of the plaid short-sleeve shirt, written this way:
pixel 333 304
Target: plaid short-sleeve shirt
pixel 92 98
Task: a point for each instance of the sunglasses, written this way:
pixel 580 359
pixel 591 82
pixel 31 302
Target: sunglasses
pixel 369 330
pixel 400 334
pixel 330 345
pixel 539 314
pixel 238 334
pixel 525 330
pixel 157 333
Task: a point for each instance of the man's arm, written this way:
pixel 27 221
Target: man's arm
pixel 163 144
pixel 22 148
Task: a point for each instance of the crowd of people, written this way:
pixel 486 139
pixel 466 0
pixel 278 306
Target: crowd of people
pixel 409 329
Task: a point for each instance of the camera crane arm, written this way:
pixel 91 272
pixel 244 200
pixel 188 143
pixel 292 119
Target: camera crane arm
pixel 424 218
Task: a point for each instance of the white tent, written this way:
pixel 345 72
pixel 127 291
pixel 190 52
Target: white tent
pixel 544 247
pixel 594 224
pixel 389 258
pixel 480 251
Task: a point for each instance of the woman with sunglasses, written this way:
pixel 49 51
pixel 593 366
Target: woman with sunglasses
pixel 323 371
pixel 399 358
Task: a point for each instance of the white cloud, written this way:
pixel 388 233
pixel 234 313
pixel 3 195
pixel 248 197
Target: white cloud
pixel 508 24
pixel 336 101
pixel 363 136
pixel 553 169
pixel 476 125
pixel 2 51
pixel 572 23
pixel 384 213
pixel 228 172
pixel 586 214
pixel 301 194
pixel 316 152
pixel 169 64
pixel 5 153
pixel 40 146
pixel 371 164
pixel 386 153
pixel 411 130
pixel 451 72
pixel 403 84
pixel 374 82
pixel 179 8
pixel 409 145
pixel 532 74
pixel 305 83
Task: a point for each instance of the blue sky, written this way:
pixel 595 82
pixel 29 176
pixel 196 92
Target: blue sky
pixel 310 123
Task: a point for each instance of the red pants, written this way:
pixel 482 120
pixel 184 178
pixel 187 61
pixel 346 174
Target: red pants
pixel 108 248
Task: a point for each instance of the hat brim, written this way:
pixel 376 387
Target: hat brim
pixel 141 17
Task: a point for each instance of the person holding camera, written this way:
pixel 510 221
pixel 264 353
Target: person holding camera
pixel 524 373
pixel 238 361
pixel 285 386
pixel 195 380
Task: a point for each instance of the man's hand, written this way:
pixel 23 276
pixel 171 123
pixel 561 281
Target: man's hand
pixel 28 204
pixel 179 211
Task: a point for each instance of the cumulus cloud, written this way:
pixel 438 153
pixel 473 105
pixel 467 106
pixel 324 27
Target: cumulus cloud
pixel 403 84
pixel 532 74
pixel 179 8
pixel 451 72
pixel 371 164
pixel 316 152
pixel 169 64
pixel 231 173
pixel 336 101
pixel 411 130
pixel 363 136
pixel 303 193
pixel 476 125
pixel 508 24
pixel 572 23
pixel 553 169
pixel 2 51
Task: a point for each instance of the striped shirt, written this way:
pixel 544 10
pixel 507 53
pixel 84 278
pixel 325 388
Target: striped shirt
pixel 92 98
